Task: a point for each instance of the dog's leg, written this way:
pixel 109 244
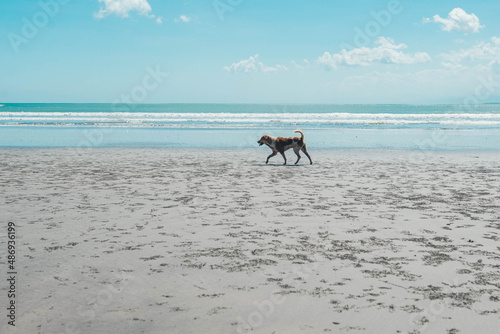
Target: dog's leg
pixel 304 149
pixel 272 155
pixel 297 150
pixel 283 154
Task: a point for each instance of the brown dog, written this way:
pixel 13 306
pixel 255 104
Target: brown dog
pixel 281 144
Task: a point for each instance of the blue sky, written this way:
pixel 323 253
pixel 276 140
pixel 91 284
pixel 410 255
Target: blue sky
pixel 250 51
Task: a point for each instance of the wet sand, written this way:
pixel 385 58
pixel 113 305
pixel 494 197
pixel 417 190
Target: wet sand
pixel 215 241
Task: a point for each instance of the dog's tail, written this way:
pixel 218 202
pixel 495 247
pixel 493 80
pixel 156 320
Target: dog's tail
pixel 301 134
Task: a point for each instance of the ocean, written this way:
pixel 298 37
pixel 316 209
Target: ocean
pixel 392 126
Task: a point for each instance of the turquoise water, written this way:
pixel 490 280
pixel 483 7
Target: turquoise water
pixel 428 127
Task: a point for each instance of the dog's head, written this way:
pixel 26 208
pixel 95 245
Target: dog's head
pixel 264 140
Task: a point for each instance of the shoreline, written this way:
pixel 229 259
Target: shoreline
pixel 370 151
pixel 178 240
pixel 125 137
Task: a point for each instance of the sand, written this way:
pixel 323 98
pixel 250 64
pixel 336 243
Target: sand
pixel 215 241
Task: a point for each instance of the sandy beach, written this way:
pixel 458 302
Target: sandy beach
pixel 215 241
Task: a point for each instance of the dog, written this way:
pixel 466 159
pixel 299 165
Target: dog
pixel 281 144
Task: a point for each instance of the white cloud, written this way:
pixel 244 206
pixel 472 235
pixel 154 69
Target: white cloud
pixel 185 18
pixel 386 52
pixel 159 20
pixel 495 67
pixel 458 20
pixel 251 65
pixel 123 8
pixel 305 65
pixel 481 51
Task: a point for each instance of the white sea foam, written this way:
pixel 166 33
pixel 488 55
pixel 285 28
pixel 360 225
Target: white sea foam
pixel 247 120
pixel 125 115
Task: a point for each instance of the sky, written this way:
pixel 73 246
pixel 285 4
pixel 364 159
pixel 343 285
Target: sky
pixel 250 51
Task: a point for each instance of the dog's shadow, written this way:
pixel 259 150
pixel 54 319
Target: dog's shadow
pixel 278 165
